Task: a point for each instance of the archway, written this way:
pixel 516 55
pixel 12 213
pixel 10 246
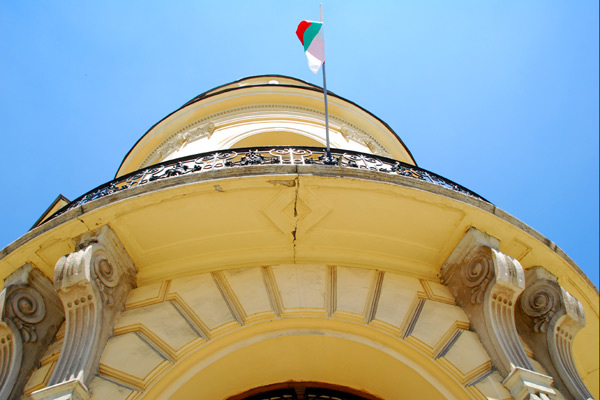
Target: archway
pixel 306 350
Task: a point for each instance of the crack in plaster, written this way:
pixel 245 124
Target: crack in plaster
pixel 85 223
pixel 296 219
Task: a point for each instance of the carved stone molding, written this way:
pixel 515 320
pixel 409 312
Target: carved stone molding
pixel 92 283
pixel 548 318
pixel 366 140
pixel 524 384
pixel 31 315
pixel 205 127
pixel 486 284
pixel 181 139
pixel 71 390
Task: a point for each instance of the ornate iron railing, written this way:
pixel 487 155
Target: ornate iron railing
pixel 283 155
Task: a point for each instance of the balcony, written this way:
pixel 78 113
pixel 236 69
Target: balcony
pixel 262 156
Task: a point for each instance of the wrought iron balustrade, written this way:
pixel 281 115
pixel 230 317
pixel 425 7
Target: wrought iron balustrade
pixel 241 157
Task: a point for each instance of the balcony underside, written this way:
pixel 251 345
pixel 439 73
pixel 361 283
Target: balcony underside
pixel 259 215
pixel 271 214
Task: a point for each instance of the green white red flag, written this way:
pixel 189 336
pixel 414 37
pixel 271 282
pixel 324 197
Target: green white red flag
pixel 310 34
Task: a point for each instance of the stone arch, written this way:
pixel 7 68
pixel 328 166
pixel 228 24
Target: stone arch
pixel 370 328
pixel 317 349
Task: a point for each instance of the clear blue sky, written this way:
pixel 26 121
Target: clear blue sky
pixel 500 96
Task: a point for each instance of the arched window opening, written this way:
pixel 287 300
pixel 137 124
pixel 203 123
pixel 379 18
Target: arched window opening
pixel 303 391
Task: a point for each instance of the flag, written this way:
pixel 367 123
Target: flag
pixel 310 34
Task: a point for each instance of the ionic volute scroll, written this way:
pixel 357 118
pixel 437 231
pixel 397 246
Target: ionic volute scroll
pixel 548 318
pixel 477 274
pixel 31 315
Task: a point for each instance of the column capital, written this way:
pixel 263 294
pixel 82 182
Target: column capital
pixel 31 315
pixel 548 318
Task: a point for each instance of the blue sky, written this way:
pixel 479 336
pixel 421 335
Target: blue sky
pixel 499 96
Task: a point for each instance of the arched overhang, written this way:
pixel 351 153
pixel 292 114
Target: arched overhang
pixel 307 350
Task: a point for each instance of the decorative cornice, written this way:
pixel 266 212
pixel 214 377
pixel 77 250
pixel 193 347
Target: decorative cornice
pixel 548 318
pixel 205 127
pixel 486 284
pixel 92 283
pixel 31 315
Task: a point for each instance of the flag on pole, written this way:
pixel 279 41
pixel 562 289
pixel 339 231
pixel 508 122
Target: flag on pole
pixel 310 34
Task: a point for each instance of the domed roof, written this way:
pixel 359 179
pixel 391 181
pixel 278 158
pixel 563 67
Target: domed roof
pixel 264 110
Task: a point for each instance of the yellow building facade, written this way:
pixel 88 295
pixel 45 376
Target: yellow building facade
pixel 232 259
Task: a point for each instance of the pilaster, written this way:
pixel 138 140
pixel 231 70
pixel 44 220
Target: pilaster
pixel 486 284
pixel 31 315
pixel 92 283
pixel 548 318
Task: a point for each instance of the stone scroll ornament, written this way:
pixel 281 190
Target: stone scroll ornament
pixel 93 283
pixel 31 315
pixel 486 284
pixel 548 318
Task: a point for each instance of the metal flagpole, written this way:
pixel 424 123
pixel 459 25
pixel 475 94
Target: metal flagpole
pixel 329 159
pixel 326 116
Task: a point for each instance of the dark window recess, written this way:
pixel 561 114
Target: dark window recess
pixel 303 391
